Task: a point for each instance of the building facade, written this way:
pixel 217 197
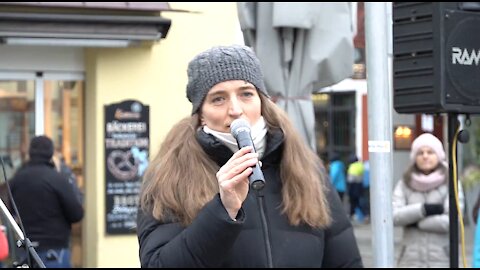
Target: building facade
pixel 62 65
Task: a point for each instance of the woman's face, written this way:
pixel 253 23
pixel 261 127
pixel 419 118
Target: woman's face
pixel 230 100
pixel 426 159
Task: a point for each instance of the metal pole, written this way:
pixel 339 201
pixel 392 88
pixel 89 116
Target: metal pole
pixel 453 124
pixel 24 241
pixel 379 132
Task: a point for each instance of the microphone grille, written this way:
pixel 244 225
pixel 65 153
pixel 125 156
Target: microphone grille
pixel 239 125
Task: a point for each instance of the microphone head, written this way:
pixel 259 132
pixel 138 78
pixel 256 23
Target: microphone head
pixel 239 125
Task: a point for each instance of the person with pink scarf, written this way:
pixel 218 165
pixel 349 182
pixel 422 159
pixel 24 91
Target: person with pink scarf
pixel 420 205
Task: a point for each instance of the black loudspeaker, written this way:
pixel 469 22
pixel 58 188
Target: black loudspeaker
pixel 436 57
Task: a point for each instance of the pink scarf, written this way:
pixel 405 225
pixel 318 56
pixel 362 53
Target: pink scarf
pixel 422 182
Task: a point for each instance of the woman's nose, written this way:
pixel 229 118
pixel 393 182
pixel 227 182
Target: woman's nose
pixel 235 107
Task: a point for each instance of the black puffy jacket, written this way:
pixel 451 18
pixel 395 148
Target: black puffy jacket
pixel 46 203
pixel 214 240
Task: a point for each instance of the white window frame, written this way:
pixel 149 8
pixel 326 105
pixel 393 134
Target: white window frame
pixel 39 78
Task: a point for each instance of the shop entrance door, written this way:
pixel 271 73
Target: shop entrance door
pixel 44 103
pixel 335 124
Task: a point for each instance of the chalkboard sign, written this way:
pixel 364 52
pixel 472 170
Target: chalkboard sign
pixel 127 145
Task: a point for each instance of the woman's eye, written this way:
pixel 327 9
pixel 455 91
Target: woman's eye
pixel 247 94
pixel 217 99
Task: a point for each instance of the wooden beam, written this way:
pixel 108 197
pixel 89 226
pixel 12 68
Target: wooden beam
pixel 66 125
pixel 80 114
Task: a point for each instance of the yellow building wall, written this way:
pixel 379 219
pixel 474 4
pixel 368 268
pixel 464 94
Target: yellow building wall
pixel 156 76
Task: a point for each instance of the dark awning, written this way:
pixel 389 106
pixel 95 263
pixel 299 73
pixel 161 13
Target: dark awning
pixel 144 6
pixel 42 26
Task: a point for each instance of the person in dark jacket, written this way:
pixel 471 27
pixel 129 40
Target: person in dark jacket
pixel 47 205
pixel 196 206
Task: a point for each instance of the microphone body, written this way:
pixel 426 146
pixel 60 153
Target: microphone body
pixel 240 130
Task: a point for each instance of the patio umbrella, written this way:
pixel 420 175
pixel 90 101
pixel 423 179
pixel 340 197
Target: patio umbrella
pixel 302 47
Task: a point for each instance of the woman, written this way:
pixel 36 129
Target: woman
pixel 196 206
pixel 420 204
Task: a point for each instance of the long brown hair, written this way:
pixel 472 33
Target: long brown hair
pixel 173 186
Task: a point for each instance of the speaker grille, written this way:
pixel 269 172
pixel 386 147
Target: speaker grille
pixel 436 64
pixel 413 68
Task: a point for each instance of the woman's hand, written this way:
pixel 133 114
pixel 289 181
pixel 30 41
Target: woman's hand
pixel 233 179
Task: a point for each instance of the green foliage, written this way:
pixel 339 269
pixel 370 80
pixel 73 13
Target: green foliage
pixel 471 177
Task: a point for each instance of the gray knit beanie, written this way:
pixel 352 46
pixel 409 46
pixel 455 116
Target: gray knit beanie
pixel 219 64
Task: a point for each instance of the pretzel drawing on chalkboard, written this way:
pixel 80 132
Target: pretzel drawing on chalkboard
pixel 122 165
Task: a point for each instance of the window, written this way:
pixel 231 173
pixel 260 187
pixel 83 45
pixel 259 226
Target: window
pixel 334 123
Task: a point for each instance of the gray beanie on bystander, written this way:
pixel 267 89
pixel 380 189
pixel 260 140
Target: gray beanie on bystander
pixel 219 64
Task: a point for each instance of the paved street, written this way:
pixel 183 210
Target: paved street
pixel 363 234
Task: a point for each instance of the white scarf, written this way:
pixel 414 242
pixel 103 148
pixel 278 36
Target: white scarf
pixel 257 131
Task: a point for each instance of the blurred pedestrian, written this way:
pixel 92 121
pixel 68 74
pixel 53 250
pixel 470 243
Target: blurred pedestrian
pixel 47 205
pixel 420 205
pixel 337 175
pixel 355 187
pixel 365 199
pixel 197 208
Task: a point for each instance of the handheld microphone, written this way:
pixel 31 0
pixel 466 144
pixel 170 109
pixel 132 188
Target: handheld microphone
pixel 240 129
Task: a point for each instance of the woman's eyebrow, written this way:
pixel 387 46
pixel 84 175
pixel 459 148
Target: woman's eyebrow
pixel 216 92
pixel 247 87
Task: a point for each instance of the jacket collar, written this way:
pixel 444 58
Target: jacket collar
pixel 41 161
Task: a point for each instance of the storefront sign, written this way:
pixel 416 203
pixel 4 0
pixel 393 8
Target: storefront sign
pixel 127 145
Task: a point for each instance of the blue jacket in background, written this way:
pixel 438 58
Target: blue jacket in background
pixel 476 246
pixel 366 174
pixel 337 175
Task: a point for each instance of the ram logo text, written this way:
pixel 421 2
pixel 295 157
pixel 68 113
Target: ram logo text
pixel 463 57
